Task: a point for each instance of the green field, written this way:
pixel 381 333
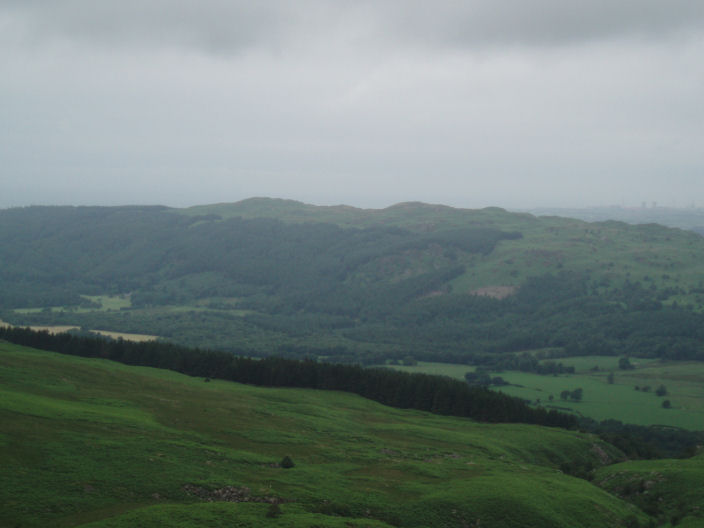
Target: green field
pixel 91 441
pixel 620 401
pixel 99 303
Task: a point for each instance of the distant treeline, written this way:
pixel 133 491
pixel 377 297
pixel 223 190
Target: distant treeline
pixel 435 394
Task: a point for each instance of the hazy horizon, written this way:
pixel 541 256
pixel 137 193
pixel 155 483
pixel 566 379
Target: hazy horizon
pixel 519 105
pixel 644 207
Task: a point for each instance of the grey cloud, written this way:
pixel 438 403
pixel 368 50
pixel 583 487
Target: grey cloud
pixel 541 22
pixel 215 25
pixel 368 101
pixel 226 26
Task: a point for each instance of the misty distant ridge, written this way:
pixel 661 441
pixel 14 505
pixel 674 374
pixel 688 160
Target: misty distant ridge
pixel 690 218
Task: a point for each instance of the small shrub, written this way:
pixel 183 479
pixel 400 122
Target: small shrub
pixel 286 462
pixel 625 364
pixel 273 511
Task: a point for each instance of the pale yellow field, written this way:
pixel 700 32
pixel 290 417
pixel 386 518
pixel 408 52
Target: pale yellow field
pixel 51 329
pixel 125 336
pixel 65 328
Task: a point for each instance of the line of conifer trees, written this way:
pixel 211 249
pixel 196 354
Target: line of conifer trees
pixel 436 394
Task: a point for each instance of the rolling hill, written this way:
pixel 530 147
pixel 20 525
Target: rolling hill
pixel 280 277
pixel 91 443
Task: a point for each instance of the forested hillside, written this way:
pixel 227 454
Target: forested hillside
pixel 432 282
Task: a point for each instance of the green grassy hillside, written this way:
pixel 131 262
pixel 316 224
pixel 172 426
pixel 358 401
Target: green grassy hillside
pixel 669 490
pixel 88 442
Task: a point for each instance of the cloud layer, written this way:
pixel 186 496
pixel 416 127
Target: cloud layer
pixel 226 26
pixel 474 103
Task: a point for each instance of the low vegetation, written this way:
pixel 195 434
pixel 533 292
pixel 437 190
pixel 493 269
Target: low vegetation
pixel 92 443
pixel 667 490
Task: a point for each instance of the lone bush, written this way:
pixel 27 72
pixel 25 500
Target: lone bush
pixel 286 462
pixel 273 511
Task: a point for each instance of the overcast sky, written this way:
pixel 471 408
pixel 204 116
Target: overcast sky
pixel 514 103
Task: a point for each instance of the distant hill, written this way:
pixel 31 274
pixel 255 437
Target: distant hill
pixel 281 277
pixel 690 218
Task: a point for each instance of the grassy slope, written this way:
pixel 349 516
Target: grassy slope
pixel 89 441
pixel 669 489
pixel 620 401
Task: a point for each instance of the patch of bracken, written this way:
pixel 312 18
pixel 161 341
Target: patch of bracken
pixel 230 494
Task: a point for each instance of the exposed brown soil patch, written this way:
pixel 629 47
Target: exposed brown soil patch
pixel 434 293
pixel 230 494
pixel 496 292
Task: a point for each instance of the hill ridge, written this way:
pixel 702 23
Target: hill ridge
pixel 356 285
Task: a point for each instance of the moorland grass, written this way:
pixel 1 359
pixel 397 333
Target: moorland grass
pixel 87 440
pixel 229 515
pixel 668 489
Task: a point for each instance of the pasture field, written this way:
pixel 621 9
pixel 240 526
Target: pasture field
pixel 87 442
pixel 684 382
pixel 110 302
pixel 101 303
